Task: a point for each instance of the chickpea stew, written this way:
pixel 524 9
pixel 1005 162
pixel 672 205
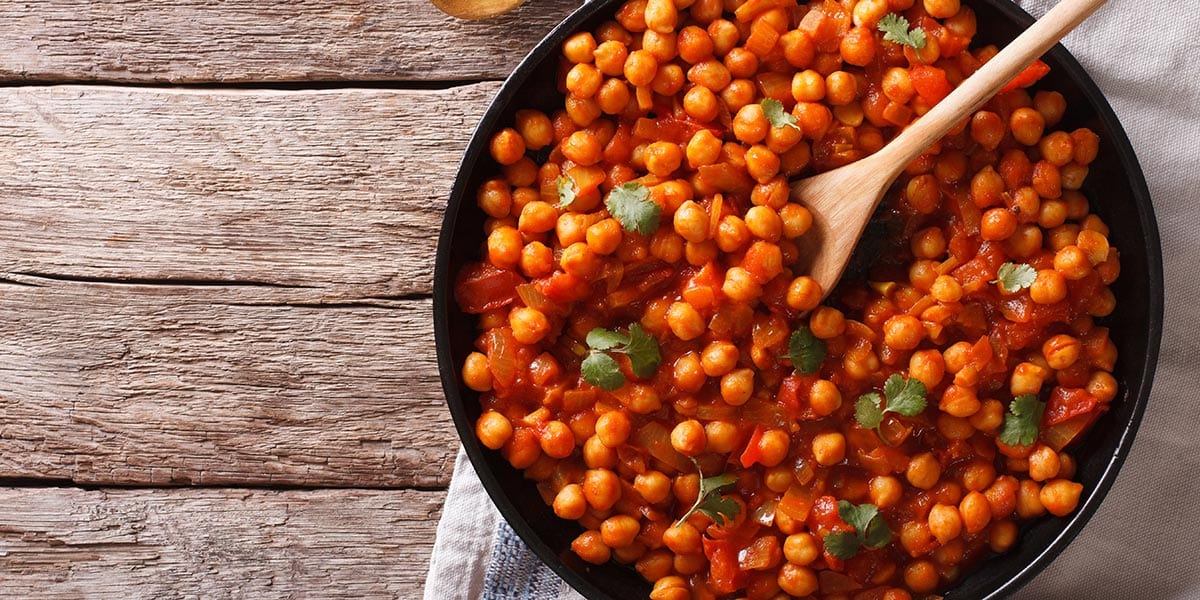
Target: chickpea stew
pixel 648 356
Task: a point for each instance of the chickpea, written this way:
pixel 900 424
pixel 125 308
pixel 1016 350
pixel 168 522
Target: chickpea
pixel 840 88
pixel 801 549
pixel 689 373
pixel 719 358
pixel 1027 378
pixel 923 471
pixel 997 224
pixel 1049 287
pixel 691 222
pixel 1072 263
pixel 601 488
pixel 1060 496
pixel 829 448
pixel 921 576
pixel 737 386
pixel 722 436
pixel 613 428
pixel 579 47
pixel 740 285
pixel 556 439
pixel 808 86
pixel 671 587
pixel 685 322
pixel 662 158
pixel 797 580
pixel 945 522
pixel 761 163
pixel 579 260
pixel 653 486
pixel 1043 463
pixel 824 398
pixel 959 401
pixel 504 246
pixel 493 430
pixel 1029 502
pixel 710 74
pixel 656 565
pixel 477 374
pixel 1002 536
pixel 885 491
pixel 827 322
pixel 640 68
pixel 529 325
pixel 590 547
pixel 750 125
pixel 569 503
pixel 903 332
pixel 507 146
pixel 619 531
pixel 1027 126
pixel 537 217
pixel 688 438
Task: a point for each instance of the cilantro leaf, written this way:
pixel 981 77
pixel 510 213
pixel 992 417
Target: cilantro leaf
pixel 1023 420
pixel 774 112
pixel 806 350
pixel 566 192
pixel 710 502
pixel 868 411
pixel 1014 277
pixel 842 544
pixel 603 339
pixel 602 371
pixel 631 205
pixel 904 397
pixel 642 350
pixel 895 29
pixel 870 530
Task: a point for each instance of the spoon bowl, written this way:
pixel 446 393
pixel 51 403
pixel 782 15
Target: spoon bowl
pixel 473 10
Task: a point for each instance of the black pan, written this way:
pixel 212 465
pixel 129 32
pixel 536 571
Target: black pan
pixel 1115 186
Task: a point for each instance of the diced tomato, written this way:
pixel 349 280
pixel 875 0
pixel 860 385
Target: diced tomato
pixel 726 178
pixel 753 452
pixel 930 82
pixel 723 573
pixel 669 129
pixel 796 502
pixel 501 350
pixel 563 287
pixel 482 287
pixel 824 515
pixel 763 553
pixel 1028 77
pixel 703 288
pixel 1066 403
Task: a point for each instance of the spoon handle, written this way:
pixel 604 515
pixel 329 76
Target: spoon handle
pixel 984 83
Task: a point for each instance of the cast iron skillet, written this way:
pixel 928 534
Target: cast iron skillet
pixel 1118 193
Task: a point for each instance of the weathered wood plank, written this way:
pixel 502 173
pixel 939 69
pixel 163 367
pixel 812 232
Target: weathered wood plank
pixel 219 544
pixel 190 41
pixel 218 385
pixel 341 191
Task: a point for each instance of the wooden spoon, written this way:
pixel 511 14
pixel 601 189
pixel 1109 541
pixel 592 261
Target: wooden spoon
pixel 476 9
pixel 843 200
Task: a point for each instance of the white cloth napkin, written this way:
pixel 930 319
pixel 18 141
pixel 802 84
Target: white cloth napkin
pixel 1142 543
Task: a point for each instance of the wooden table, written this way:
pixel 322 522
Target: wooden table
pixel 217 231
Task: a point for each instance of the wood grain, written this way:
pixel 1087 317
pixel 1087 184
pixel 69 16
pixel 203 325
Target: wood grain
pixel 337 191
pixel 200 41
pixel 218 544
pixel 217 385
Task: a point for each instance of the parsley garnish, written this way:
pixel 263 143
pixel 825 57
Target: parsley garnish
pixel 710 502
pixel 904 397
pixel 870 530
pixel 1014 277
pixel 1022 421
pixel 806 350
pixel 895 29
pixel 566 192
pixel 631 205
pixel 773 111
pixel 600 369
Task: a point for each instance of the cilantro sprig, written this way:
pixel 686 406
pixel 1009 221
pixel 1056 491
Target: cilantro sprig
pixel 778 117
pixel 710 502
pixel 567 190
pixel 904 397
pixel 600 369
pixel 870 530
pixel 895 29
pixel 1022 421
pixel 806 351
pixel 632 207
pixel 1014 277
